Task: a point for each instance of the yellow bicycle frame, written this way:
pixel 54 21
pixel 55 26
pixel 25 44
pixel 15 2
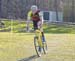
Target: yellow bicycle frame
pixel 39 35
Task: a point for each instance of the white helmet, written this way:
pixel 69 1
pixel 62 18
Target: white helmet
pixel 34 8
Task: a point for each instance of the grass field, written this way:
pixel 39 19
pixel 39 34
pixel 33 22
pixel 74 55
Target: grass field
pixel 19 47
pixel 20 27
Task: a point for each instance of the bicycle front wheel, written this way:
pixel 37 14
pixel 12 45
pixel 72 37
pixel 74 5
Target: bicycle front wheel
pixel 37 46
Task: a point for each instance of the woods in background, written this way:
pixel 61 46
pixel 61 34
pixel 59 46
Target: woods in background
pixel 19 8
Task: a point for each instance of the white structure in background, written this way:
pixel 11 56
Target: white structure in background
pixel 50 16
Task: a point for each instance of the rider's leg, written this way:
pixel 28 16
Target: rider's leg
pixel 40 26
pixel 39 49
pixel 35 26
pixel 43 37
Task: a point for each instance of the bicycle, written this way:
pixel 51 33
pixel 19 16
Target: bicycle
pixel 39 44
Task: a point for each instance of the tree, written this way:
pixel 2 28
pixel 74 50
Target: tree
pixel 73 19
pixel 0 8
pixel 56 9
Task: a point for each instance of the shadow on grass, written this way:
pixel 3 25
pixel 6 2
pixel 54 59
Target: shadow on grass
pixel 29 58
pixel 59 29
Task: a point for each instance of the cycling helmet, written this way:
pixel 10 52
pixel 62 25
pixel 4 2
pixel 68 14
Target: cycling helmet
pixel 34 8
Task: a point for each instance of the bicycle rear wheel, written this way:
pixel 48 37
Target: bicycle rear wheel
pixel 45 47
pixel 37 46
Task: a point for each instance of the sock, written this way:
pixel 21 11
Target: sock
pixel 40 49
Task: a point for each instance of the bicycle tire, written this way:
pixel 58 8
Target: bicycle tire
pixel 36 41
pixel 45 49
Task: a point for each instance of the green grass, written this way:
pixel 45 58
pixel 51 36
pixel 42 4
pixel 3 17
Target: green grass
pixel 18 46
pixel 59 29
pixel 20 27
pixel 12 44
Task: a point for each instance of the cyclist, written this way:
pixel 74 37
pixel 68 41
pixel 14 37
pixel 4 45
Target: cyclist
pixel 36 17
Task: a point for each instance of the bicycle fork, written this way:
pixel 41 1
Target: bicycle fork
pixel 40 42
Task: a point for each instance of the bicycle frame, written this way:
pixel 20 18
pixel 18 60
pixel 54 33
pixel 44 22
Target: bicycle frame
pixel 39 36
pixel 38 43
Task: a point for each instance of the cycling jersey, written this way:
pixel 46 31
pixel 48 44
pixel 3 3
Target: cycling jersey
pixel 35 16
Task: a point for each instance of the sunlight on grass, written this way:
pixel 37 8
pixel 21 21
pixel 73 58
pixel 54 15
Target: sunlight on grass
pixel 14 46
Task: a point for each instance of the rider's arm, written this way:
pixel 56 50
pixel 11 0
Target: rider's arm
pixel 41 17
pixel 29 15
pixel 28 20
